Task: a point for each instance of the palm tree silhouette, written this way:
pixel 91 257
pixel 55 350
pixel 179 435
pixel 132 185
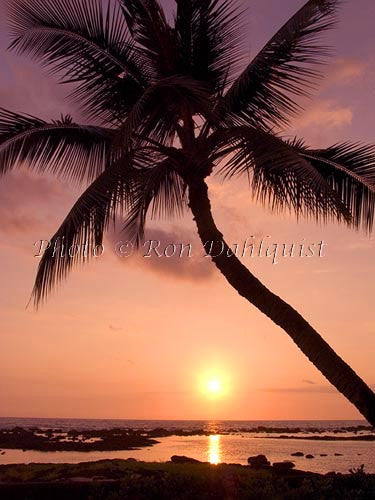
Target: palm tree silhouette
pixel 169 107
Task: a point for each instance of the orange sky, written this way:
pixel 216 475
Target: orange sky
pixel 130 338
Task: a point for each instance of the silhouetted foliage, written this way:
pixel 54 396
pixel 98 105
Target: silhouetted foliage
pixel 171 104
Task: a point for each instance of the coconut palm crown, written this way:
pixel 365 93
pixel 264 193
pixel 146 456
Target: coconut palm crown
pixel 169 103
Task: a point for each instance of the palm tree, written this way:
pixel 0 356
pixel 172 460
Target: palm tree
pixel 168 107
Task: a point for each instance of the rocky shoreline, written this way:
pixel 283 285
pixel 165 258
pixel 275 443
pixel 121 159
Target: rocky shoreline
pixel 73 440
pixel 117 439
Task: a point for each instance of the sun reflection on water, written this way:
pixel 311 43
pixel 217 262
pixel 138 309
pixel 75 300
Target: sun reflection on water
pixel 214 449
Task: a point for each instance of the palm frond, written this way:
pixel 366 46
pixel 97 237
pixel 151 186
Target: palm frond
pixel 153 35
pixel 349 168
pixel 162 107
pixel 209 39
pixel 279 175
pixel 130 186
pixel 84 226
pixel 74 152
pixel 285 69
pixel 162 191
pixel 85 44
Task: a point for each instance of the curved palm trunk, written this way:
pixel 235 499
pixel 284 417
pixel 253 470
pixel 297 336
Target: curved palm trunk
pixel 248 286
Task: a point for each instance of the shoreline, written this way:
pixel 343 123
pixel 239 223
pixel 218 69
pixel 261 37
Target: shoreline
pixel 122 439
pixel 177 479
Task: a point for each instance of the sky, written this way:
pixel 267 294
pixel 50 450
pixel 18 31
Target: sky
pixel 136 337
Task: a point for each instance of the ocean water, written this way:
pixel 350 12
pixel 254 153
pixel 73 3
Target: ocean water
pixel 230 442
pixel 209 425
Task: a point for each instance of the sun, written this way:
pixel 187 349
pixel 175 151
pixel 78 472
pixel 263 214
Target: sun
pixel 214 386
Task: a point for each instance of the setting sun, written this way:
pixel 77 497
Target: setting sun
pixel 214 386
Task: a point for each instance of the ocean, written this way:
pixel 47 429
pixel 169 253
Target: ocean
pixel 229 441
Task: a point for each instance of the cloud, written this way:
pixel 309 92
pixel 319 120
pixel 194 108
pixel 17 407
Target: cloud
pixel 306 381
pixel 180 265
pixel 361 244
pixel 24 199
pixel 344 71
pixel 326 114
pixel 25 88
pixel 231 203
pixel 317 389
pixel 17 223
pixel 320 389
pixel 115 328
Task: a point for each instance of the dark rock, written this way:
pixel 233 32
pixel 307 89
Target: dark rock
pixel 283 466
pixel 159 432
pixel 297 454
pixel 309 456
pixel 338 455
pixel 259 462
pixel 180 459
pixel 366 437
pixel 109 440
pixel 323 455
